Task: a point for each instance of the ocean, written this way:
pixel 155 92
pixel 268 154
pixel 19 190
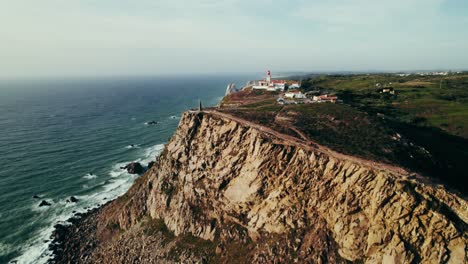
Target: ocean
pixel 69 137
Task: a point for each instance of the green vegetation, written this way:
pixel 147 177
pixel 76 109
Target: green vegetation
pixel 152 227
pixel 431 101
pixel 423 126
pixel 167 188
pixel 199 247
pixel 345 129
pixel 182 243
pixel 113 226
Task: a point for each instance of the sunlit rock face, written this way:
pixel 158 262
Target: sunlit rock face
pixel 253 197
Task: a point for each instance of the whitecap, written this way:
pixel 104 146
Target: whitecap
pixel 153 122
pixel 90 176
pixel 132 146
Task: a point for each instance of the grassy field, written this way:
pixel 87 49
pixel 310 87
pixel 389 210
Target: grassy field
pixel 430 101
pixel 423 127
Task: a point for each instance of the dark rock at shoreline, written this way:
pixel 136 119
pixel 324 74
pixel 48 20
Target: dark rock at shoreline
pixel 36 196
pixel 74 219
pixel 59 232
pixel 152 123
pixel 44 203
pixel 134 168
pixel 72 199
pixel 150 165
pixel 68 238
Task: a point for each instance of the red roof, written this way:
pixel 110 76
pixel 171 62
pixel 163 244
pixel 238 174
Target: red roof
pixel 326 97
pixel 278 81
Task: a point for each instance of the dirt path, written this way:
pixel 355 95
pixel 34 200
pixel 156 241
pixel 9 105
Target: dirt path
pixel 310 145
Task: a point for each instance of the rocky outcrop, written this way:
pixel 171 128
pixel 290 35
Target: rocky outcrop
pixel 231 88
pixel 243 195
pixel 44 203
pixel 72 199
pixel 134 168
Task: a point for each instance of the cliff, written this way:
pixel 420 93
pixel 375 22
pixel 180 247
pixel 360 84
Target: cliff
pixel 224 190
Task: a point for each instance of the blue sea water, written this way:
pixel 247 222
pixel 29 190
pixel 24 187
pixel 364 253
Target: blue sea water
pixel 62 138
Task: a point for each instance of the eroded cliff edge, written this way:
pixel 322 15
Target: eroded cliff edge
pixel 225 191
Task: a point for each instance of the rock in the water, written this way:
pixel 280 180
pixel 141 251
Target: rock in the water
pixel 134 168
pixel 44 203
pixel 150 164
pixel 72 199
pixel 152 122
pixel 36 196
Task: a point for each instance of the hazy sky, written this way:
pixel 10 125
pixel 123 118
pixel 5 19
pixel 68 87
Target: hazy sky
pixel 152 37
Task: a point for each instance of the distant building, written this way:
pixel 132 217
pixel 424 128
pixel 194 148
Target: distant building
pixel 325 98
pixel 403 74
pixel 388 90
pixel 263 84
pixel 278 84
pixel 269 84
pixel 295 95
pixel 294 85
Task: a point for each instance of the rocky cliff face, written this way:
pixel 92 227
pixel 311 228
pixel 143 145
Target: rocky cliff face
pixel 223 191
pixel 231 88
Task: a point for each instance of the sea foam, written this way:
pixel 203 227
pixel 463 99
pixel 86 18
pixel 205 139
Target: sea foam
pixel 90 176
pixel 37 250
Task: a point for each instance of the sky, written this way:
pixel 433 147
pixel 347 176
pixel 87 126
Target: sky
pixel 158 37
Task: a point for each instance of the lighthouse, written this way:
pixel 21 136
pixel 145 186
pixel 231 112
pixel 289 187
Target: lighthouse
pixel 268 77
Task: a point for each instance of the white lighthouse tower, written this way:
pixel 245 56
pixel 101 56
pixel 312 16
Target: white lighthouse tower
pixel 268 77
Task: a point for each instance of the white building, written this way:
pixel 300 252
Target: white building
pixel 269 84
pixel 295 85
pixel 295 95
pixel 325 98
pixel 278 84
pixel 263 84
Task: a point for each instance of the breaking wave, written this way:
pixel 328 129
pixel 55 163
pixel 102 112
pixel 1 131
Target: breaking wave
pixel 37 249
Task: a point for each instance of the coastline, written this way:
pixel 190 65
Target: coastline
pixel 44 247
pixel 61 238
pixel 69 151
